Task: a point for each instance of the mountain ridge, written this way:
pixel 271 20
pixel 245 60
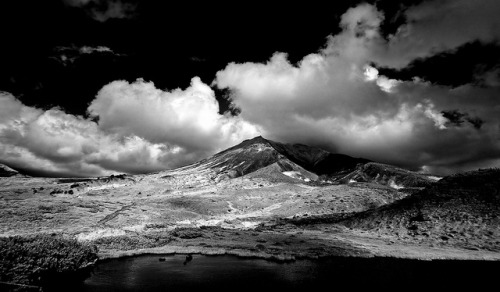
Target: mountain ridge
pixel 309 163
pixel 6 171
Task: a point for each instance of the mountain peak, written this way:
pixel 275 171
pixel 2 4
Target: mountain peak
pixel 249 142
pixel 258 152
pixel 257 139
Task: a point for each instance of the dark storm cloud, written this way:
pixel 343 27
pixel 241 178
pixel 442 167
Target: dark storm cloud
pixel 102 10
pixel 458 118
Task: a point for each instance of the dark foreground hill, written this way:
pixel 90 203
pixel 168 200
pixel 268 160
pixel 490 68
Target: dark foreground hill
pixel 463 210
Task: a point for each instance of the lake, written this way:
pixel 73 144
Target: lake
pixel 230 273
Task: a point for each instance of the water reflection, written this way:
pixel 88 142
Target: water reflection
pixel 228 273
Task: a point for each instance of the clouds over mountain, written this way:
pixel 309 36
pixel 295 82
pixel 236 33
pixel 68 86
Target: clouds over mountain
pixel 140 129
pixel 335 98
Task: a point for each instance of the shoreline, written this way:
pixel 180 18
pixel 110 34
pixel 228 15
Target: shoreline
pixel 440 255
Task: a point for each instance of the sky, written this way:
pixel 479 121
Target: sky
pixel 100 87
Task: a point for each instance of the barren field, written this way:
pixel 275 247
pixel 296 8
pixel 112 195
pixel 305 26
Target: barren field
pixel 187 210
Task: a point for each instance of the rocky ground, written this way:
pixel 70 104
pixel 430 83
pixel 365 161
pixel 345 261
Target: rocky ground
pixel 265 214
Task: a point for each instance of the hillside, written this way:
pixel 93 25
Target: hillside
pixel 265 199
pixel 460 210
pixel 388 175
pixel 318 160
pixel 246 157
pixel 307 163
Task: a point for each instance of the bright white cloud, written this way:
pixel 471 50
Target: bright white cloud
pixel 188 118
pixel 140 129
pixel 334 98
pixel 385 84
pixel 371 74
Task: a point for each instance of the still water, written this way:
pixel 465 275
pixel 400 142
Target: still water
pixel 229 273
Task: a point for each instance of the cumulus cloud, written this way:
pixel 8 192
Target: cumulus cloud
pixel 140 129
pixel 437 26
pixel 102 10
pixel 335 98
pixel 187 117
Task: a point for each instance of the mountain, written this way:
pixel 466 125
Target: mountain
pixel 307 163
pixel 270 199
pixel 294 160
pixel 6 171
pixel 318 160
pixel 250 156
pixel 388 175
pixel 462 209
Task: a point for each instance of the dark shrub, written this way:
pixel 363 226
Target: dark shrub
pixel 44 259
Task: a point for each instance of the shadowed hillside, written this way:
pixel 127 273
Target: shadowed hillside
pixel 388 175
pixel 317 160
pixel 462 210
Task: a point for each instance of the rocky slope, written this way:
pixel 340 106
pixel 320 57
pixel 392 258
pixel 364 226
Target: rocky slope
pixel 247 157
pixel 306 163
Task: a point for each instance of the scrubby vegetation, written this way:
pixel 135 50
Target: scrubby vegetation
pixel 460 210
pixel 44 259
pixel 130 242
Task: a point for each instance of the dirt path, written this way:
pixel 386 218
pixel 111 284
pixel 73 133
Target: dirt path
pixel 114 214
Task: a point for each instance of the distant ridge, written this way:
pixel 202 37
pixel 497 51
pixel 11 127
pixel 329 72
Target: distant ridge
pixel 318 160
pixel 389 175
pixel 6 171
pixel 461 208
